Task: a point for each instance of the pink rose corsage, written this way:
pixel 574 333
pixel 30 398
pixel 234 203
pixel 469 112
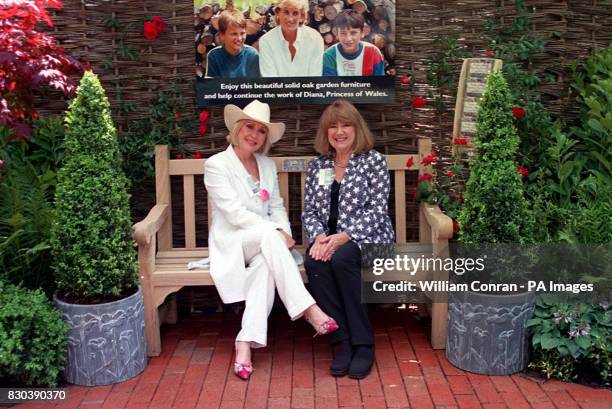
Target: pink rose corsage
pixel 264 194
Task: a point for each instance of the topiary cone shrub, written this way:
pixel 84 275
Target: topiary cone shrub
pixel 95 260
pixel 495 209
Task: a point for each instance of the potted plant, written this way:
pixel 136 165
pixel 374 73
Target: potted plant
pixel 94 257
pixel 487 329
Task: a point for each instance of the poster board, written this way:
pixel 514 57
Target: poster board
pixel 472 82
pixel 313 69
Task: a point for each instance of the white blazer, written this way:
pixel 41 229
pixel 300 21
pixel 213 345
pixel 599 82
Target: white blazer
pixel 235 206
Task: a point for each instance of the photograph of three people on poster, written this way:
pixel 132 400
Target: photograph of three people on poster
pixel 294 38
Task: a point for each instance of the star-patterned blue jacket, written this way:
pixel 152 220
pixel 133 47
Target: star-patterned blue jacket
pixel 362 204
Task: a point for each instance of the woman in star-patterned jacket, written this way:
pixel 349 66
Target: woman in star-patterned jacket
pixel 345 206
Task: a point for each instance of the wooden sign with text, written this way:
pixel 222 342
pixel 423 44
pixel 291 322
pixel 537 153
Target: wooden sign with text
pixel 471 87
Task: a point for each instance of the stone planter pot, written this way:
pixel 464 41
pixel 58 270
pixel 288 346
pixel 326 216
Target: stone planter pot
pixel 487 333
pixel 107 341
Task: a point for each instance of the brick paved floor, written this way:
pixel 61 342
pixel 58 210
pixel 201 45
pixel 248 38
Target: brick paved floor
pixel 292 372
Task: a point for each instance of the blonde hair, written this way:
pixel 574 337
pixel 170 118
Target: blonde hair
pixel 342 110
pixel 301 5
pixel 229 17
pixel 232 137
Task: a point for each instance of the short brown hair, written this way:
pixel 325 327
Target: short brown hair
pixel 349 19
pixel 232 137
pixel 229 17
pixel 342 110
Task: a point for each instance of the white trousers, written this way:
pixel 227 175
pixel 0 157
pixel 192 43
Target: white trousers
pixel 270 265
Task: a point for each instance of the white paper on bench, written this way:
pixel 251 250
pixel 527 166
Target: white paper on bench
pixel 205 262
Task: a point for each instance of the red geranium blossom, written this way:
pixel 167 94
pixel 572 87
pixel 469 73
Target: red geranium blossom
pixel 410 162
pixel 405 79
pixel 153 28
pixel 177 116
pixel 423 177
pixel 455 225
pixel 489 53
pixel 418 102
pixel 523 170
pixel 203 129
pixel 460 141
pixel 197 155
pixel 429 159
pixel 204 115
pixel 450 174
pixel 518 112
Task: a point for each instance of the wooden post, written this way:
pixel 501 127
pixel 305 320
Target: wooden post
pixel 146 260
pixel 163 194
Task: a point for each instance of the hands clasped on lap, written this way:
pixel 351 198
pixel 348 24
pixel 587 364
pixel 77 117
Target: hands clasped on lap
pixel 325 246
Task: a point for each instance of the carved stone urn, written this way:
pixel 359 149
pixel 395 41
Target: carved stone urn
pixel 107 341
pixel 487 333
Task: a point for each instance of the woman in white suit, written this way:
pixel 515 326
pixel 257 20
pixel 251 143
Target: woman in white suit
pixel 250 237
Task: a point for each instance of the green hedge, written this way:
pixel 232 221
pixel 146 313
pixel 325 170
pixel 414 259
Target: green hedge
pixel 95 260
pixel 32 337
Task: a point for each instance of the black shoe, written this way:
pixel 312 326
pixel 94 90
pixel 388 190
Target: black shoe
pixel 342 359
pixel 362 361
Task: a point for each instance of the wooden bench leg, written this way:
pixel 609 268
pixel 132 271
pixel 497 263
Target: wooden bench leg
pixel 168 311
pixel 152 331
pixel 439 325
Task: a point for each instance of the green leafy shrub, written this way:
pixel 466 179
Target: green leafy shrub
pixel 32 338
pixel 95 260
pixel 165 124
pixel 494 208
pixel 571 340
pixel 593 84
pixel 27 184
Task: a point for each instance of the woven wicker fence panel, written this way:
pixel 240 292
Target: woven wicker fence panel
pixel 572 29
pixel 579 26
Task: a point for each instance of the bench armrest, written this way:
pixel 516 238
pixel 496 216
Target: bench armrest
pixel 441 224
pixel 147 227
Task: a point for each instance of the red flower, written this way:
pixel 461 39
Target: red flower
pixel 197 155
pixel 203 129
pixel 450 174
pixel 12 85
pixel 405 79
pixel 204 115
pixel 151 32
pixel 489 53
pixel 523 170
pixel 518 112
pixel 159 23
pixel 428 160
pixel 264 194
pixel 455 225
pixel 177 116
pixel 410 162
pixel 418 102
pixel 460 141
pixel 423 177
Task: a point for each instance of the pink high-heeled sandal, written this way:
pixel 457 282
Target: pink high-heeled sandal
pixel 326 327
pixel 243 371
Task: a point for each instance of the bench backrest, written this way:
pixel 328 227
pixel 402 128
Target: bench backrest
pixel 188 169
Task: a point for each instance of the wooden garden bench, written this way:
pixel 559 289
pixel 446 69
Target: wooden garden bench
pixel 163 267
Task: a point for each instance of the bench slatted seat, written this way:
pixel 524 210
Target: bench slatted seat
pixel 163 267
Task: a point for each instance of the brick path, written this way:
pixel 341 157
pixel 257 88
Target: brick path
pixel 292 372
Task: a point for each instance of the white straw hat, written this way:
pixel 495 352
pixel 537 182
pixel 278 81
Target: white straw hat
pixel 258 112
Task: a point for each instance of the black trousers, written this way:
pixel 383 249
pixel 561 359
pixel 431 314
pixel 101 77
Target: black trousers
pixel 336 286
